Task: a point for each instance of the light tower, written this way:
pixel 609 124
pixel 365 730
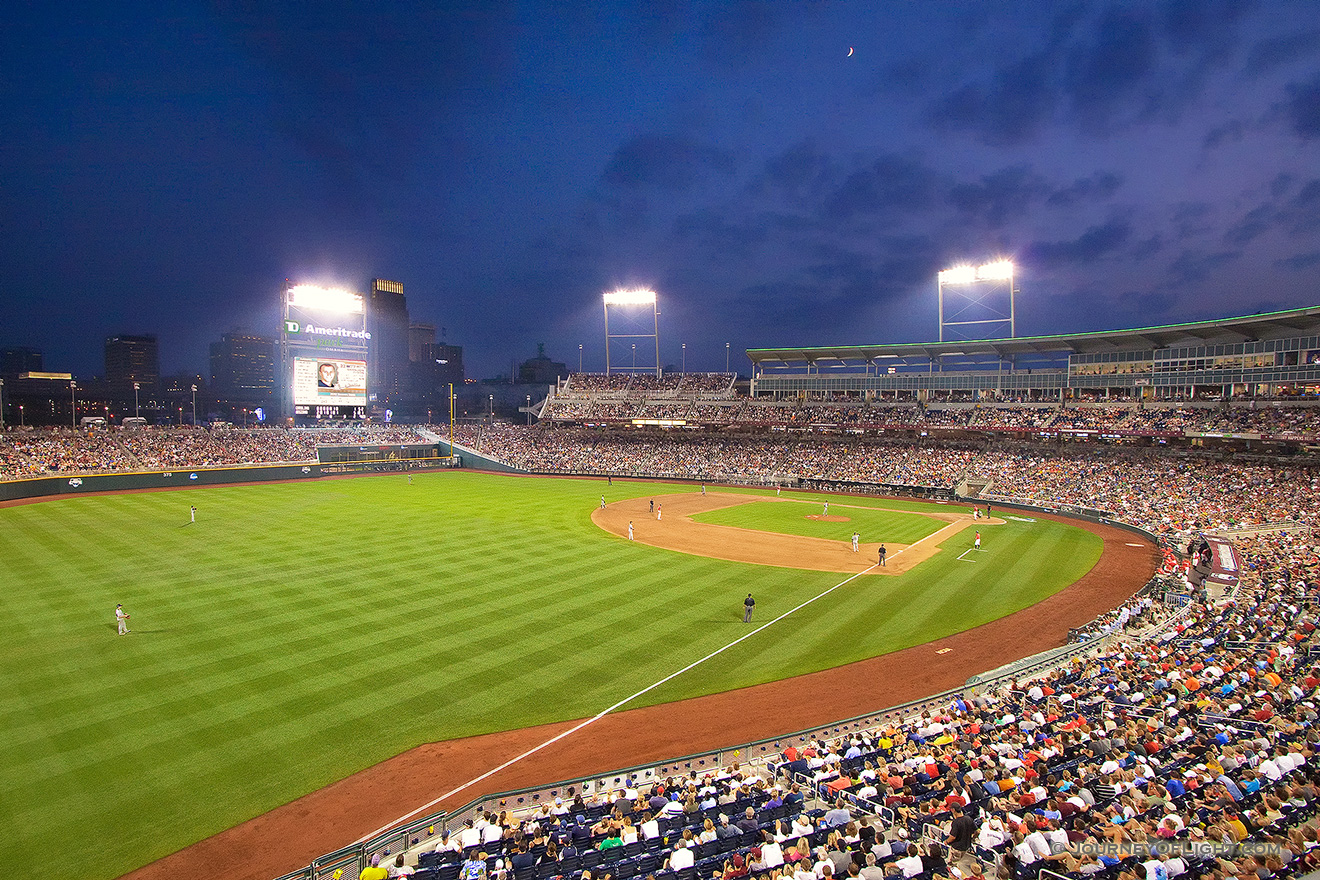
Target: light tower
pixel 979 296
pixel 633 304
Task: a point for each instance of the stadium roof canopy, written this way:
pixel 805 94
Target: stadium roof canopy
pixel 1252 328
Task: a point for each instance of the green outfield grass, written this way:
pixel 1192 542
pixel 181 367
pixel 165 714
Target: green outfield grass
pixel 298 633
pixel 871 523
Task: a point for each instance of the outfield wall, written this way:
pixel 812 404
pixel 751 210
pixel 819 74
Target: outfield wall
pixel 82 484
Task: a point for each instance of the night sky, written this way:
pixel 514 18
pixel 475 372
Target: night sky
pixel 1142 163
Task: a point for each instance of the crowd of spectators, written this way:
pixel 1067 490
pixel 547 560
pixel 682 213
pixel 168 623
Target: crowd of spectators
pixel 25 454
pixel 594 404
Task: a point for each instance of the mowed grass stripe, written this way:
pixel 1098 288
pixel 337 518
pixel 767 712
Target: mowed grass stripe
pixel 298 633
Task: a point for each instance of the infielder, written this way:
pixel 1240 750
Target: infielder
pixel 882 555
pixel 659 511
pixel 748 604
pixel 602 502
pixel 856 538
pixel 121 617
pixel 630 536
pixel 977 543
pixel 826 511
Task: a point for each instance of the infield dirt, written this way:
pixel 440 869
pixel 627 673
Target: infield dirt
pixel 678 531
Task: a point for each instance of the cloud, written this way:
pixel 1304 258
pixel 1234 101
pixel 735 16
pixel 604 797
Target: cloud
pixel 1300 261
pixel 999 197
pixel 1255 223
pixel 665 162
pixel 1098 187
pixel 1275 52
pixel 1230 132
pixel 1091 245
pixel 800 170
pixel 890 185
pixel 1102 71
pixel 1302 107
pixel 1192 266
pixel 1010 109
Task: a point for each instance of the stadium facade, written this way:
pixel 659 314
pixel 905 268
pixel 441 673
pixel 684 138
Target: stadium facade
pixel 1275 354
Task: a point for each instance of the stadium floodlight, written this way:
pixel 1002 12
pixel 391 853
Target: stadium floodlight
pixel 984 297
pixel 630 298
pixel 958 275
pixel 995 271
pixel 635 303
pixel 324 299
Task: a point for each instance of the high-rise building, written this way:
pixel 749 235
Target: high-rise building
pixel 387 320
pixel 242 372
pixel 129 360
pixel 16 359
pixel 419 337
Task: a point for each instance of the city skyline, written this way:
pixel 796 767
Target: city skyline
pixel 782 174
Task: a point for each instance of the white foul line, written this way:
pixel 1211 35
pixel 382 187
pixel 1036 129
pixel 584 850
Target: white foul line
pixel 604 712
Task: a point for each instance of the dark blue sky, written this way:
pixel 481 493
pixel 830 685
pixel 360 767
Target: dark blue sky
pixel 1143 163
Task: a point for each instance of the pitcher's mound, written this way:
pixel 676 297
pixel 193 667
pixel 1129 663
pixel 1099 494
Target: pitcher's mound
pixel 823 518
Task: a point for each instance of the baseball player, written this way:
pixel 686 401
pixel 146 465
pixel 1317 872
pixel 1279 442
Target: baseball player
pixel 602 502
pixel 977 542
pixel 856 538
pixel 659 511
pixel 192 514
pixel 826 511
pixel 882 555
pixel 630 535
pixel 121 617
pixel 748 604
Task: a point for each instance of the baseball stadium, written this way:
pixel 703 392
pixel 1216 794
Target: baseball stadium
pixel 685 626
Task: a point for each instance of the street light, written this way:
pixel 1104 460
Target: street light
pixel 73 402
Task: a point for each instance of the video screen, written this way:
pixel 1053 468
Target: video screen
pixel 329 381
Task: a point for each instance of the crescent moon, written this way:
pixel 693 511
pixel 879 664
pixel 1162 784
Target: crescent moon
pixel 850 51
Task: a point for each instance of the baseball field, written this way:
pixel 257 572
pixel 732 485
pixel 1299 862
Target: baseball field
pixel 298 633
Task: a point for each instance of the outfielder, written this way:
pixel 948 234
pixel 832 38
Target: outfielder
pixel 121 617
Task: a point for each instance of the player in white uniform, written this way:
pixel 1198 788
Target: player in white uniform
pixel 630 535
pixel 192 514
pixel 856 538
pixel 121 617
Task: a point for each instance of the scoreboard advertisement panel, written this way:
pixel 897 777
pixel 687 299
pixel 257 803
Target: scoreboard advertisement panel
pixel 329 382
pixel 325 348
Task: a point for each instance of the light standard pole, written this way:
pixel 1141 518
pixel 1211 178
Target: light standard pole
pixel 579 357
pixel 492 409
pixel 529 410
pixel 2 404
pixel 726 357
pixel 451 423
pixel 194 406
pixel 180 417
pixel 21 422
pixel 137 410
pixel 685 358
pixel 634 366
pixel 73 402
